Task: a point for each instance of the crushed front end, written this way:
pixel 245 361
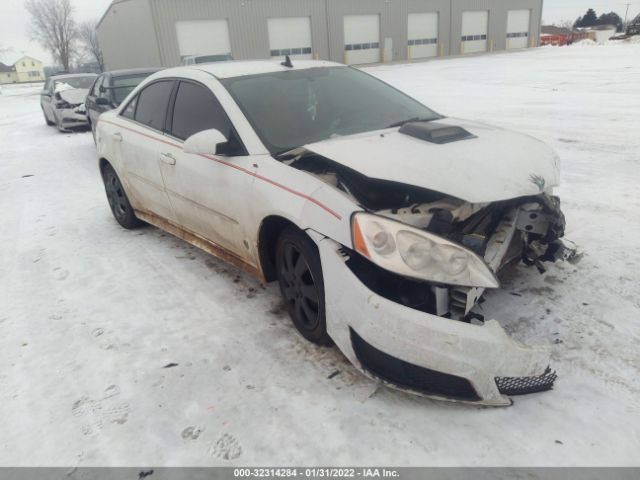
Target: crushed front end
pixel 405 313
pixel 527 229
pixel 71 113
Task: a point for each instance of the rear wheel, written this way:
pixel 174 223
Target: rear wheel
pixel 118 201
pixel 299 274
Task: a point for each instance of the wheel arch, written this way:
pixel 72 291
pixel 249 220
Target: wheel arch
pixel 270 229
pixel 103 162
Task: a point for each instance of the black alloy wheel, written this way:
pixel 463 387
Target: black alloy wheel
pixel 301 284
pixel 118 201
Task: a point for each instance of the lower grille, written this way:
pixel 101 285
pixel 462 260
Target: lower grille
pixel 410 376
pixel 524 385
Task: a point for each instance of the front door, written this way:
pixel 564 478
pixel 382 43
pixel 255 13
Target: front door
pixel 210 193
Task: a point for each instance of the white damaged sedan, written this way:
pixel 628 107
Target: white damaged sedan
pixel 383 221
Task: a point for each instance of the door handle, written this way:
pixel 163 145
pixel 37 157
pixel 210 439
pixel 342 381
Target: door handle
pixel 168 158
pixel 117 137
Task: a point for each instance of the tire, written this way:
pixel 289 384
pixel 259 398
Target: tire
pixel 299 273
pixel 118 201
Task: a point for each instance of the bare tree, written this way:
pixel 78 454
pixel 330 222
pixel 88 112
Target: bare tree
pixel 88 36
pixel 568 24
pixel 52 25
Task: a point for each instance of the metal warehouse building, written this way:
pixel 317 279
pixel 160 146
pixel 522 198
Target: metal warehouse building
pixel 144 33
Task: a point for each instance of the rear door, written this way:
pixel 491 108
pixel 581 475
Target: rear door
pixel 142 141
pixel 210 193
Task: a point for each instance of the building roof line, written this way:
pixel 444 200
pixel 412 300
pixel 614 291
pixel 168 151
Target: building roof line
pixel 112 4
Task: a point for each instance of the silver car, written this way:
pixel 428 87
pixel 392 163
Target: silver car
pixel 62 100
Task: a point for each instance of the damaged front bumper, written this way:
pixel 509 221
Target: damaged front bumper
pixel 74 117
pixel 423 353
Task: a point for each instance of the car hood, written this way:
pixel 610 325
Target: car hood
pixel 74 96
pixel 496 164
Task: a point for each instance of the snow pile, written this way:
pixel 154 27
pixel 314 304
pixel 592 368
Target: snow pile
pixel 22 89
pixel 587 42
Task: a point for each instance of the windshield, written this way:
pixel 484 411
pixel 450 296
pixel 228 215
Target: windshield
pixel 297 107
pixel 122 86
pixel 74 82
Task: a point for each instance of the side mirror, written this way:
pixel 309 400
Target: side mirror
pixel 45 93
pixel 102 101
pixel 205 142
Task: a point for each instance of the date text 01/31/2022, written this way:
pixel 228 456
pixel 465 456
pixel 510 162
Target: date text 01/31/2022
pixel 315 472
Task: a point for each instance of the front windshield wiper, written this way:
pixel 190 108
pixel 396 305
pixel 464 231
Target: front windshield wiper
pixel 414 119
pixel 281 153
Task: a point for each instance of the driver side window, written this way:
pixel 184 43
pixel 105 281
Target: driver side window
pixel 197 109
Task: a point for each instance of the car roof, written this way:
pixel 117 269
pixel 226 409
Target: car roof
pixel 73 75
pixel 236 68
pixel 132 71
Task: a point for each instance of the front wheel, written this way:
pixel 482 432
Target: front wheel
pixel 118 201
pixel 302 285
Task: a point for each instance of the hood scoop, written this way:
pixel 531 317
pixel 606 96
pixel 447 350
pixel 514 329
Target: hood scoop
pixel 435 132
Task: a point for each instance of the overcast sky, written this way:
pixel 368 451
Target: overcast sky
pixel 14 20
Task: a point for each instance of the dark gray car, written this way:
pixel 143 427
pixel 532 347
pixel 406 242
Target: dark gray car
pixel 110 89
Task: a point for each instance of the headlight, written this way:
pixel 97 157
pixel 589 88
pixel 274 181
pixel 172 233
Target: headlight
pixel 406 250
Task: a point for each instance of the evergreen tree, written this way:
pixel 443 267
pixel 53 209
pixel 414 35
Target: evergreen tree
pixel 589 19
pixel 611 18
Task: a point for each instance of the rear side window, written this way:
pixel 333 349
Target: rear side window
pixel 152 104
pixel 197 109
pixel 130 109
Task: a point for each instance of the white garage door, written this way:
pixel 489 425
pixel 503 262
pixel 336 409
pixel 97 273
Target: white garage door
pixel 474 31
pixel 203 37
pixel 423 35
pixel 361 39
pixel 518 28
pixel 290 36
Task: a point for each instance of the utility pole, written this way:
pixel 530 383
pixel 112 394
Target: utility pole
pixel 625 15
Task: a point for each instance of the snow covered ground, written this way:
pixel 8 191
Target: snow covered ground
pixel 92 316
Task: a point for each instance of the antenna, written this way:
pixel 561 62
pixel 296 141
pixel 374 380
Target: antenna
pixel 287 62
pixel 625 14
